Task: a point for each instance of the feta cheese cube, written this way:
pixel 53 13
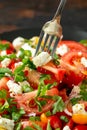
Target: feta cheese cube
pixel 41 59
pixel 66 128
pixel 5 62
pixel 78 108
pixel 6 123
pixel 62 50
pixel 18 42
pixel 14 88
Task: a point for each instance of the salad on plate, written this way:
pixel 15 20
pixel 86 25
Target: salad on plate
pixel 43 92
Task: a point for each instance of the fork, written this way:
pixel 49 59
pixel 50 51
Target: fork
pixel 51 32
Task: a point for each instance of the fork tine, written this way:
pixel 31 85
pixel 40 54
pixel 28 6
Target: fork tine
pixel 55 45
pixel 50 42
pixel 45 42
pixel 39 42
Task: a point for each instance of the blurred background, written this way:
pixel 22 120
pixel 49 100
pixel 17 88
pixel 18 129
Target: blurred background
pixel 20 14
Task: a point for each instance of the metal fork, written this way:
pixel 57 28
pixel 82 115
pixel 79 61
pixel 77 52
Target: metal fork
pixel 51 32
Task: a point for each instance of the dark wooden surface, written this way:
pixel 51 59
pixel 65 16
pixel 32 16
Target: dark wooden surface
pixel 20 14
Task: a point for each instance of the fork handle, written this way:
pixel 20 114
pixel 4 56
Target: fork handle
pixel 59 9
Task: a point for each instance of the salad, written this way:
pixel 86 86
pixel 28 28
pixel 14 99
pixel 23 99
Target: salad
pixel 43 92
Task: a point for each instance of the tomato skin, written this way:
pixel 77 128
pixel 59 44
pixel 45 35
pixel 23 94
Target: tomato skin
pixel 72 78
pixel 3 83
pixel 80 127
pixel 55 122
pixel 10 49
pixel 73 45
pixel 57 73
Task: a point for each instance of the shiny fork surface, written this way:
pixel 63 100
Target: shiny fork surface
pixel 51 32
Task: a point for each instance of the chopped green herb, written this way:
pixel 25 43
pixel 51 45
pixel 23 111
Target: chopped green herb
pixel 56 59
pixel 64 118
pixel 26 61
pixel 3 71
pixel 18 114
pixel 18 126
pixel 34 118
pixel 4 46
pixel 58 106
pixel 48 113
pixel 3 94
pixel 27 88
pixel 4 106
pixel 29 128
pixel 49 126
pixel 25 53
pixel 37 127
pixel 84 42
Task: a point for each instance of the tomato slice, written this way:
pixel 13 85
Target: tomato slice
pixel 10 48
pixel 56 72
pixel 3 83
pixel 80 127
pixel 73 45
pixel 55 122
pixel 72 61
pixel 23 100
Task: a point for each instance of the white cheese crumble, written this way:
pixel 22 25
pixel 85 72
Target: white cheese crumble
pixel 18 64
pixel 18 42
pixel 26 46
pixel 6 123
pixel 5 62
pixel 41 59
pixel 66 128
pixel 14 88
pixel 3 53
pixel 62 50
pixel 79 108
pixel 84 61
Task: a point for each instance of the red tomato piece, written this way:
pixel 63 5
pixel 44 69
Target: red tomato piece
pixel 55 122
pixel 3 83
pixel 58 73
pixel 80 127
pixel 73 45
pixel 72 62
pixel 23 101
pixel 10 49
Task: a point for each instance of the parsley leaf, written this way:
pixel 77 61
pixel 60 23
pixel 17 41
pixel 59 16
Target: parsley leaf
pixel 56 59
pixel 84 42
pixel 3 71
pixel 25 53
pixel 59 105
pixel 3 94
pixel 26 61
pixel 4 46
pixel 48 126
pixel 10 56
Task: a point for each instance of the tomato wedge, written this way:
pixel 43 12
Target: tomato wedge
pixel 73 45
pixel 72 61
pixel 80 127
pixel 56 72
pixel 23 100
